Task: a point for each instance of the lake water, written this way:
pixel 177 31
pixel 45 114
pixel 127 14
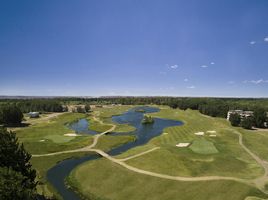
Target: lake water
pixel 81 126
pixel 143 133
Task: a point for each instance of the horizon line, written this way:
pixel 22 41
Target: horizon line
pixel 128 96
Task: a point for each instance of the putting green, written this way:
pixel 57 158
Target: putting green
pixel 203 146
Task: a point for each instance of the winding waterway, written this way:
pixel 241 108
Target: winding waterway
pixel 143 133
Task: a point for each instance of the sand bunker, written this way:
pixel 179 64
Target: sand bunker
pixel 71 134
pixel 211 131
pixel 165 133
pixel 199 133
pixel 41 140
pixel 182 145
pixel 212 135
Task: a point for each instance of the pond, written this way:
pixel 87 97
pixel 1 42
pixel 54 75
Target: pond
pixel 143 133
pixel 81 126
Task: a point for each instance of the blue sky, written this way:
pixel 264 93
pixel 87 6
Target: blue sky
pixel 150 47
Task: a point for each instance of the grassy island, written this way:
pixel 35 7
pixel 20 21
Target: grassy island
pixel 147 119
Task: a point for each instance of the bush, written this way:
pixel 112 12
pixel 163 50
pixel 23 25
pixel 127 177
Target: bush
pixel 260 117
pixel 14 157
pixel 235 119
pixel 247 123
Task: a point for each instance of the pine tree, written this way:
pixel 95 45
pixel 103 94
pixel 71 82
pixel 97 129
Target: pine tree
pixel 13 156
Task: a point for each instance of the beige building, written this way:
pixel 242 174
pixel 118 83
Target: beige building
pixel 243 114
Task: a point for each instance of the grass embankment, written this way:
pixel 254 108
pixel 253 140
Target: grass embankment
pixel 108 142
pixel 97 126
pixel 43 164
pixel 105 115
pixel 101 179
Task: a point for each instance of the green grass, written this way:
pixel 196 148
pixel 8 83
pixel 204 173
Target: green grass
pixel 58 138
pixel 101 179
pixel 202 146
pixel 254 198
pixel 256 141
pixel 96 126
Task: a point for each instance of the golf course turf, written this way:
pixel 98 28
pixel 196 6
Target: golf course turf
pixel 220 155
pixel 209 156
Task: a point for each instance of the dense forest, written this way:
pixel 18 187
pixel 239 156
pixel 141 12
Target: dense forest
pixel 35 105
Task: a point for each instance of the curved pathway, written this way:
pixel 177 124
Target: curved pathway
pixel 165 176
pixel 139 154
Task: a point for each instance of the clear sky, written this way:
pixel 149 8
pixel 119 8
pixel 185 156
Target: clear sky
pixel 134 47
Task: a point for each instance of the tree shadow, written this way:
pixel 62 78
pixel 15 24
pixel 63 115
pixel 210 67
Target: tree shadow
pixel 17 125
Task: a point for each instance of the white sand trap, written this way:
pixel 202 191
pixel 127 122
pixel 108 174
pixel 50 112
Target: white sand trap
pixel 71 134
pixel 211 132
pixel 41 140
pixel 212 135
pixel 165 133
pixel 199 133
pixel 182 145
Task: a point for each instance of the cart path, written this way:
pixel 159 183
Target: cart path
pixel 260 181
pixel 165 176
pixel 139 154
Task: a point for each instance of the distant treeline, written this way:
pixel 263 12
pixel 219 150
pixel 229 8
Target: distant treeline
pixel 216 107
pixel 36 105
